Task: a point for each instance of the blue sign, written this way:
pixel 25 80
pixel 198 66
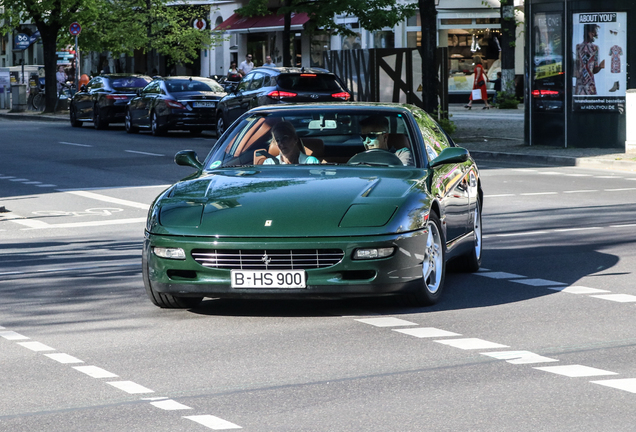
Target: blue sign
pixel 21 41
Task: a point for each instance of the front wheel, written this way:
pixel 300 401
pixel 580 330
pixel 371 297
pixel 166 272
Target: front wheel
pixel 73 114
pixel 98 119
pixel 130 128
pixel 220 124
pixel 433 266
pixel 156 129
pixel 39 102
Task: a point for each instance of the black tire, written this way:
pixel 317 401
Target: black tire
pixel 156 128
pixel 221 124
pixel 73 116
pixel 433 266
pixel 98 119
pixel 39 102
pixel 167 301
pixel 470 262
pixel 130 128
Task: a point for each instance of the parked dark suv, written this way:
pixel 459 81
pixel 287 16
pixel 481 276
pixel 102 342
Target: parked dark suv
pixel 275 85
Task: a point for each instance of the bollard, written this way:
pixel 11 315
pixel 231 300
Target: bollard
pixel 630 117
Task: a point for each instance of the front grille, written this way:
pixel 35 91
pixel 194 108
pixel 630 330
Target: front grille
pixel 276 259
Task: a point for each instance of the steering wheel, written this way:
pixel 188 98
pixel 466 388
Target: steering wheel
pixel 375 157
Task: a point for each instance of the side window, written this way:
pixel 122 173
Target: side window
pixel 245 83
pixel 95 83
pixel 266 82
pixel 257 81
pixel 152 88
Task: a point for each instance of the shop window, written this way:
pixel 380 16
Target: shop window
pixel 459 21
pixel 464 46
pixel 384 39
pixel 320 42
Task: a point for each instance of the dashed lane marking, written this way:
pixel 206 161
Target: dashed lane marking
pixel 574 289
pixel 426 332
pixel 75 144
pixel 538 282
pixel 95 372
pixel 36 346
pixel 471 343
pixel 105 198
pixel 519 357
pixel 627 384
pixel 213 422
pixel 12 336
pixel 64 358
pixel 143 153
pixel 386 322
pixel 500 275
pixel 169 405
pixel 575 371
pixel 620 298
pixel 130 387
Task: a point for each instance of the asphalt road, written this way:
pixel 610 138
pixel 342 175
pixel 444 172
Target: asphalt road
pixel 541 340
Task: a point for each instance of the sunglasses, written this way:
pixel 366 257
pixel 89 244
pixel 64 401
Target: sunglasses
pixel 371 135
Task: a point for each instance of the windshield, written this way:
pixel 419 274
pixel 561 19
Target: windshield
pixel 186 85
pixel 309 82
pixel 129 82
pixel 369 138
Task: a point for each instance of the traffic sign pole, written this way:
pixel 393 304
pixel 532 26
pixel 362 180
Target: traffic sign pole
pixel 75 29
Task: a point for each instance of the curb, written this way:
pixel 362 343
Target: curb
pixel 34 117
pixel 584 162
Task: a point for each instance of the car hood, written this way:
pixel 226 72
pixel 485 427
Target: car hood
pixel 293 202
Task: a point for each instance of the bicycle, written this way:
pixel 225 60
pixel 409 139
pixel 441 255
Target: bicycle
pixel 38 102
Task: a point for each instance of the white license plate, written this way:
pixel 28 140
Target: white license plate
pixel 268 279
pixel 203 104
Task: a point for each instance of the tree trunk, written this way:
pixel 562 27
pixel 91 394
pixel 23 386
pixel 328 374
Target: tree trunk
pixel 508 42
pixel 49 46
pixel 149 57
pixel 430 81
pixel 287 37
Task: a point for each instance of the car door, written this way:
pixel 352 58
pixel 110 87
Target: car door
pixel 145 103
pixel 452 181
pixel 83 100
pixel 234 103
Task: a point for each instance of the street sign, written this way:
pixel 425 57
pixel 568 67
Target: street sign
pixel 199 24
pixel 21 42
pixel 75 29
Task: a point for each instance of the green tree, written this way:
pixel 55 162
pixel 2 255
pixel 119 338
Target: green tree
pixel 372 15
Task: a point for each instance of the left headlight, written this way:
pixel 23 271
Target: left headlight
pixel 372 253
pixel 170 253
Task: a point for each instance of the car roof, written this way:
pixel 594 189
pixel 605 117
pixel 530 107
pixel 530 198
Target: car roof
pixel 292 70
pixel 185 77
pixel 124 75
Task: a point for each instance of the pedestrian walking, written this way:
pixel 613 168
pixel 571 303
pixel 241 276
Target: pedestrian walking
pixel 479 85
pixel 497 87
pixel 246 65
pixel 268 62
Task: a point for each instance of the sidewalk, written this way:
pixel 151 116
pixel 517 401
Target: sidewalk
pixel 489 135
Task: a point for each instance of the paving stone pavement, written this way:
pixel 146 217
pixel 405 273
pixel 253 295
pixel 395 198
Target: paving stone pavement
pixel 492 134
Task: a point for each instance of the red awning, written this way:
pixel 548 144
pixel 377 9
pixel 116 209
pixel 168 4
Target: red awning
pixel 271 22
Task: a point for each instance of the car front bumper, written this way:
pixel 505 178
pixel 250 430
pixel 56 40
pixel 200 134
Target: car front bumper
pixel 399 273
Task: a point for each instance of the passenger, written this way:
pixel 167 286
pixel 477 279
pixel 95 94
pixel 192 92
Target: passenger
pixel 291 149
pixel 374 131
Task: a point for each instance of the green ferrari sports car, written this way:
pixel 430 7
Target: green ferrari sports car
pixel 317 201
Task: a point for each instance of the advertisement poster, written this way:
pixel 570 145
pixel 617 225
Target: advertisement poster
pixel 548 47
pixel 599 48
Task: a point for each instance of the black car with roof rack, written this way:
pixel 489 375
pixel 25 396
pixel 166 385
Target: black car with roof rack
pixel 279 85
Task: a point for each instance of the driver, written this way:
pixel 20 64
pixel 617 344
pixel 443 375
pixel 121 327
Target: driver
pixel 374 131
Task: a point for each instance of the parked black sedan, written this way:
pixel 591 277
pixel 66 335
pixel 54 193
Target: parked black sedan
pixel 279 85
pixel 103 100
pixel 175 103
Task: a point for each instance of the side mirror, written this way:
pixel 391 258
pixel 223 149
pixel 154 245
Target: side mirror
pixel 83 88
pixel 188 158
pixel 451 155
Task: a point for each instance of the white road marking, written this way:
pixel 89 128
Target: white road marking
pixel 580 191
pixel 426 332
pixel 36 346
pixel 623 226
pixel 538 282
pixel 619 190
pixel 63 269
pixel 6 177
pixel 578 290
pixel 31 223
pixel 386 322
pixel 11 335
pixel 64 358
pixel 46 185
pixel 213 422
pixel 33 182
pixel 89 224
pixel 75 144
pixel 620 298
pixel 575 371
pixel 105 198
pixel 130 387
pixel 538 193
pixel 499 195
pixel 471 344
pixel 525 233
pixel 549 173
pixel 170 405
pixel 19 180
pixel 577 229
pixel 501 275
pixel 607 177
pixel 143 153
pixel 627 384
pixel 520 357
pixel 95 372
pixel 578 175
